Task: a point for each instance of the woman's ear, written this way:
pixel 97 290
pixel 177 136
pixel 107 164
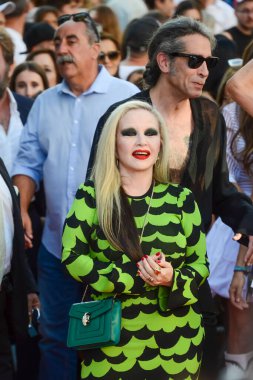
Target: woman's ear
pixel 163 62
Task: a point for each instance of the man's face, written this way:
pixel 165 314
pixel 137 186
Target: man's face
pixel 70 8
pixel 75 55
pixel 185 81
pixel 4 74
pixel 244 14
pixel 166 7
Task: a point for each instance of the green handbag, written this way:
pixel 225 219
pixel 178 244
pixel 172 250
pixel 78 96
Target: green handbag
pixel 94 324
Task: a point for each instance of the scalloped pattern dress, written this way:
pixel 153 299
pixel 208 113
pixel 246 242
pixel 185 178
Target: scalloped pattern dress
pixel 161 329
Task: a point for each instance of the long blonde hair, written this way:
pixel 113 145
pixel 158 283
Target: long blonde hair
pixel 106 174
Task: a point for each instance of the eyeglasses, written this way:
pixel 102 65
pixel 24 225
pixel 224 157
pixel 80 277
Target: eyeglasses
pixel 112 55
pixel 195 61
pixel 80 17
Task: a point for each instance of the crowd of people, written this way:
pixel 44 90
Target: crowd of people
pixel 126 165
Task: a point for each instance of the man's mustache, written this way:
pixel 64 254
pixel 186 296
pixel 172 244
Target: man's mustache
pixel 65 58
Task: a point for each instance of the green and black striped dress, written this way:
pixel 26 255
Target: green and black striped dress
pixel 162 333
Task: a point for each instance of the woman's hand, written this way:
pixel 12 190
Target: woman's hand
pixel 235 291
pixel 155 270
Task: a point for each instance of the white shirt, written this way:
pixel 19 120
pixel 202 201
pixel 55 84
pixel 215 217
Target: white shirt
pixel 8 226
pixel 127 10
pixel 237 173
pixel 9 143
pixel 20 46
pixel 125 71
pixel 223 14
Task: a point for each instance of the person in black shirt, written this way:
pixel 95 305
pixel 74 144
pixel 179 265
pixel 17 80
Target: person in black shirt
pixel 180 57
pixel 242 33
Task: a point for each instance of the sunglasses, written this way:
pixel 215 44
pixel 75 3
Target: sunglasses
pixel 112 55
pixel 80 17
pixel 195 61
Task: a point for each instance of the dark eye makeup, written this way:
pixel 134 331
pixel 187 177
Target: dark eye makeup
pixel 151 132
pixel 128 132
pixel 132 132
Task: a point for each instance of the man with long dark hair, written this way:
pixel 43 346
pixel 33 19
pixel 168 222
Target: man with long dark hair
pixel 180 57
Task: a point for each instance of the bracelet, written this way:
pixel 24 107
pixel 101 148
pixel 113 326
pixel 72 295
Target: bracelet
pixel 239 268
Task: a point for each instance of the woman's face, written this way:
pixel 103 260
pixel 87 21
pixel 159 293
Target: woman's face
pixel 45 61
pixel 28 83
pixel 193 13
pixel 70 8
pixel 109 56
pixel 51 19
pixel 138 142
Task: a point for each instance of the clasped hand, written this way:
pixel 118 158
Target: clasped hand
pixel 155 270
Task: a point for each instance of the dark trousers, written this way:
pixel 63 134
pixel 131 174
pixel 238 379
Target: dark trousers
pixel 211 350
pixel 6 364
pixel 27 349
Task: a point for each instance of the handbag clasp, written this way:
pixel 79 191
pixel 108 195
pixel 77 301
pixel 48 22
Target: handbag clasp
pixel 86 319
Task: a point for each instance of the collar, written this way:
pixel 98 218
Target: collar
pixel 13 103
pixel 99 86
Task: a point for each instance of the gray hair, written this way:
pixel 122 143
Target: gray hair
pixel 168 39
pixel 93 31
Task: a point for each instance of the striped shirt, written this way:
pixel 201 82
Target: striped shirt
pixel 237 173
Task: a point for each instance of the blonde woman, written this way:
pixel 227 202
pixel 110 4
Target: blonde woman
pixel 131 233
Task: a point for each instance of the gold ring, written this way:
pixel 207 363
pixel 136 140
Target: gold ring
pixel 157 270
pixel 150 279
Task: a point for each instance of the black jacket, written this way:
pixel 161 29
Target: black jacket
pixel 206 172
pixel 22 280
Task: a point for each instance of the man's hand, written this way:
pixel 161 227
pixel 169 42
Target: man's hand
pixel 26 186
pixel 33 302
pixel 28 233
pixel 235 291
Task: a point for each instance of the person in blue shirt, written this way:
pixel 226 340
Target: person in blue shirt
pixel 55 146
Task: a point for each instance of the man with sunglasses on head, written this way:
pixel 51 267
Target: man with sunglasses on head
pixel 180 57
pixel 55 146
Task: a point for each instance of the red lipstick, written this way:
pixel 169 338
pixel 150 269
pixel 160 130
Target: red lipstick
pixel 141 154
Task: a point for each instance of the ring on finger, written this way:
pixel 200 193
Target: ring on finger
pixel 150 279
pixel 157 270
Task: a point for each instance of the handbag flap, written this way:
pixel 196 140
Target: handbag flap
pixel 94 308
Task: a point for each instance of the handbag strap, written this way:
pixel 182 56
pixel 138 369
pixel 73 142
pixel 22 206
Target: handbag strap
pixel 84 293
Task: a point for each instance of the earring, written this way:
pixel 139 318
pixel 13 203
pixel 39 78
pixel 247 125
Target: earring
pixel 117 162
